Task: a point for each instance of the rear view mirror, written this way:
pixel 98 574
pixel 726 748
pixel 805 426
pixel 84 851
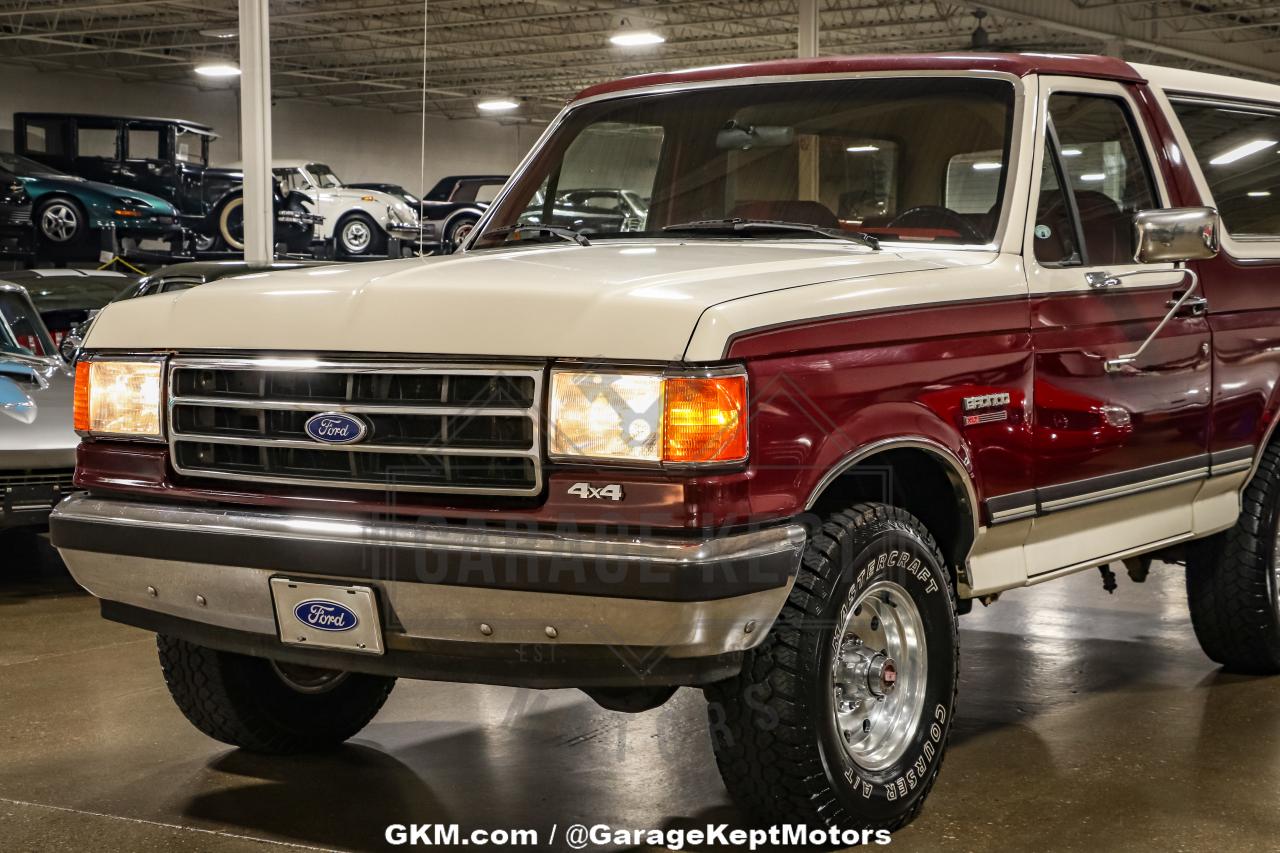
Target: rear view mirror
pixel 739 137
pixel 1175 234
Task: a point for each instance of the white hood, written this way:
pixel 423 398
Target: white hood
pixel 627 300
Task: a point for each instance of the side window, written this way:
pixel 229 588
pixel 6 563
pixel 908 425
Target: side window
pixel 1055 230
pixel 1105 171
pixel 144 144
pixel 97 142
pixel 46 136
pixel 291 179
pixel 1237 148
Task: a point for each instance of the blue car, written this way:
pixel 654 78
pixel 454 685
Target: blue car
pixel 70 212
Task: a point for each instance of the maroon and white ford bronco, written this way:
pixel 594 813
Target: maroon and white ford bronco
pixel 897 333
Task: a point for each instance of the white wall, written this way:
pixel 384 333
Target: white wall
pixel 360 144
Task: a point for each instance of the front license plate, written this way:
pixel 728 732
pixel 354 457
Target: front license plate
pixel 330 616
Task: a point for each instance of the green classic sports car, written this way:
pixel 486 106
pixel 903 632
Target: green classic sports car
pixel 69 212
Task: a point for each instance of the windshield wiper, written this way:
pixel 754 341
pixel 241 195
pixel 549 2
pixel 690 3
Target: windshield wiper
pixel 737 226
pixel 554 230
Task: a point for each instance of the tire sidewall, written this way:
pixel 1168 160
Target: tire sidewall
pixel 224 224
pixel 906 560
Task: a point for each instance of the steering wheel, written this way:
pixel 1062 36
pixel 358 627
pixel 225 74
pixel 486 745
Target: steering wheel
pixel 937 216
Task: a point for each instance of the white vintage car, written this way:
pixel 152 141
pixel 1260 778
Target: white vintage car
pixel 356 221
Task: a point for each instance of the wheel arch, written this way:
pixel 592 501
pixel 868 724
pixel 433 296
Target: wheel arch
pixel 919 468
pixel 466 212
pixel 346 215
pixel 1269 435
pixel 64 195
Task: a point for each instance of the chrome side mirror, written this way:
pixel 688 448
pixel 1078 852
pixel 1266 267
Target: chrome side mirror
pixel 1175 234
pixel 69 347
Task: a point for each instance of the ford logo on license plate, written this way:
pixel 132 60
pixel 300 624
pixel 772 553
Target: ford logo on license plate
pixel 336 428
pixel 325 615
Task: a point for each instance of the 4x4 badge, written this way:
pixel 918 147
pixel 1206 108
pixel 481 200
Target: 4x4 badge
pixel 588 492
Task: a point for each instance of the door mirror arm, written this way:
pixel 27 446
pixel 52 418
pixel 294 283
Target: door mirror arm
pixel 1115 365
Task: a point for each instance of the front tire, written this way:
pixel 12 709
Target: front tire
pixel 1233 589
pixel 263 706
pixel 458 231
pixel 62 225
pixel 841 716
pixel 357 236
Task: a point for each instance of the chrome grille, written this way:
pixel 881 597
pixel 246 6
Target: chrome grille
pixel 466 429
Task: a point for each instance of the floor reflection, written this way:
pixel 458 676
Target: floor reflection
pixel 1086 722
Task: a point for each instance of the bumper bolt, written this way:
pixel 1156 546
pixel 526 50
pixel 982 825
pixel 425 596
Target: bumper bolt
pixel 552 632
pixel 486 629
pixel 201 600
pixel 750 626
pixel 151 591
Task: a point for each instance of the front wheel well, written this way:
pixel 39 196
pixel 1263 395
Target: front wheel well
pixel 919 480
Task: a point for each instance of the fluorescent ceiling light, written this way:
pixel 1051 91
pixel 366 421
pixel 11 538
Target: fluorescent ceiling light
pixel 1093 176
pixel 1071 152
pixel 222 33
pixel 636 38
pixel 986 166
pixel 860 149
pixel 497 105
pixel 217 69
pixel 1241 151
pixel 1259 194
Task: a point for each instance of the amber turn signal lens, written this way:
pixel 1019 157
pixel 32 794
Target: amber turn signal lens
pixel 118 398
pixel 80 399
pixel 705 419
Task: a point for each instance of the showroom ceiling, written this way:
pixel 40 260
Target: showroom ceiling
pixel 541 51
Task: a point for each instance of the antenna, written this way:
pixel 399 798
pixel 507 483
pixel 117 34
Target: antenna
pixel 422 156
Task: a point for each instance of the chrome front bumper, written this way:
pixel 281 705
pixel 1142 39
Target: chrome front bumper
pixel 437 583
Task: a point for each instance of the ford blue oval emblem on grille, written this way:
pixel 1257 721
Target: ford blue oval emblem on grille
pixel 336 428
pixel 325 615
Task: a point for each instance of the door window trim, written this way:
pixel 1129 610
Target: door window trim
pixel 1043 279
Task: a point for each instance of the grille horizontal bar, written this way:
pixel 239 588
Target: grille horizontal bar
pixel 463 429
pixel 60 477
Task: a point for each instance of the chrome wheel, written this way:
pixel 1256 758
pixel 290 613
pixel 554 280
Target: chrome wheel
pixel 60 221
pixel 878 675
pixel 308 679
pixel 205 242
pixel 461 232
pixel 356 236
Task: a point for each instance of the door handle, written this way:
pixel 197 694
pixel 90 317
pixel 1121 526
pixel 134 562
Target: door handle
pixel 1195 306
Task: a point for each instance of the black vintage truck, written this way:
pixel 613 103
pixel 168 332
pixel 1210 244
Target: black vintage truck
pixel 166 157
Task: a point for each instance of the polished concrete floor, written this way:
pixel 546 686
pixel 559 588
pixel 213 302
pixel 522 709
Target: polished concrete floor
pixel 1086 722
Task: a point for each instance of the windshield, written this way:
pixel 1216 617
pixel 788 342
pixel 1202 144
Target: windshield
pixel 324 176
pixel 21 330
pixel 863 155
pixel 27 167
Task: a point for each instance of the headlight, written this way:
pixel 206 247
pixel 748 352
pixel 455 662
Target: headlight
pixel 129 207
pixel 118 398
pixel 639 417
